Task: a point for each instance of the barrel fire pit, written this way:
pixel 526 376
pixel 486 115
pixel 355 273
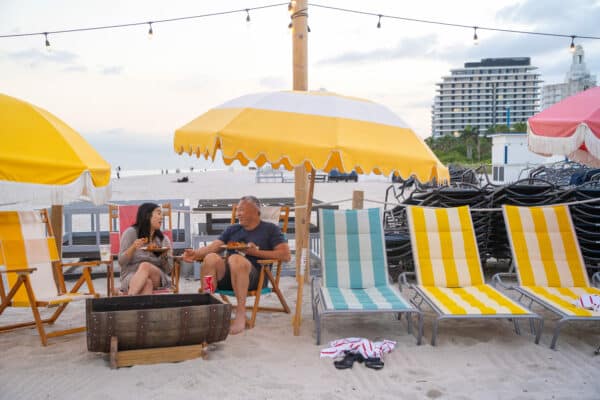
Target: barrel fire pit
pixel 159 321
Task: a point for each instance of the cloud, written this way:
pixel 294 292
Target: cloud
pixel 422 46
pixel 75 68
pixel 273 82
pixel 112 70
pixel 35 57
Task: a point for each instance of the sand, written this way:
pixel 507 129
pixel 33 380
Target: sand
pixel 473 359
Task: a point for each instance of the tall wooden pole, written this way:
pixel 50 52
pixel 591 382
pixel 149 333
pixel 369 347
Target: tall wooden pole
pixel 299 13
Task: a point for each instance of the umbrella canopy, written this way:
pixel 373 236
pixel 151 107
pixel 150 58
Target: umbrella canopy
pixel 43 159
pixel 570 127
pixel 319 130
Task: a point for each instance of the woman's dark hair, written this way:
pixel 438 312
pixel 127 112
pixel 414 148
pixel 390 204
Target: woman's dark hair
pixel 142 221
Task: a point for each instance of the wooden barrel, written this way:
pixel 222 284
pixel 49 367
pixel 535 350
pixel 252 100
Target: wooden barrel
pixel 141 322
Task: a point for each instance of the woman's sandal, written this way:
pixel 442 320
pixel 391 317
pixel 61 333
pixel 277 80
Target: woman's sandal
pixel 374 363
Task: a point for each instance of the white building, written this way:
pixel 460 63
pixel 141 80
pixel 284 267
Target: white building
pixel 510 156
pixel 494 91
pixel 577 79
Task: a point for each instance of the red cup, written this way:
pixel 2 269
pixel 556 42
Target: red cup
pixel 209 285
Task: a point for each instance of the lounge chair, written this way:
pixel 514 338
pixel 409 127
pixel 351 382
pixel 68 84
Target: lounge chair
pixel 448 270
pixel 122 217
pixel 31 263
pixel 549 266
pixel 276 215
pixel 354 269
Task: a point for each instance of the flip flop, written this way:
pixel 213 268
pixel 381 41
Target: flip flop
pixel 346 362
pixel 374 363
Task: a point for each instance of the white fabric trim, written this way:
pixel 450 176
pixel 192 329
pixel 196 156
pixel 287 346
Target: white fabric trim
pixel 568 146
pixel 32 195
pixel 318 103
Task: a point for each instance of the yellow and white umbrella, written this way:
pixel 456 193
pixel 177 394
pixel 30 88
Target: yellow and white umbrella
pixel 320 130
pixel 44 160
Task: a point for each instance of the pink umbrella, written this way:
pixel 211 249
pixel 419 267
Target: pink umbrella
pixel 570 127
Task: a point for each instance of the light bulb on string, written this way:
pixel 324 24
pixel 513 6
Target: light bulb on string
pixel 475 38
pixel 379 22
pixel 247 15
pixel 47 41
pixel 572 46
pixel 150 31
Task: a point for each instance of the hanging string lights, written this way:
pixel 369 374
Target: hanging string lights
pixel 298 13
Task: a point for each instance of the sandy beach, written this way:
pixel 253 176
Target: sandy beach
pixel 472 360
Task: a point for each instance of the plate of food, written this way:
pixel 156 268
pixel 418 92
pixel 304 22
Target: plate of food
pixel 154 248
pixel 235 246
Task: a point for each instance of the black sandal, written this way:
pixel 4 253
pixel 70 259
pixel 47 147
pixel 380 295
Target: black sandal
pixel 348 361
pixel 374 363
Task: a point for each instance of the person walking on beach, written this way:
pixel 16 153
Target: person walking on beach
pixel 142 269
pixel 239 272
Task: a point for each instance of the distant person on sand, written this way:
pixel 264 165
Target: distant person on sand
pixel 119 172
pixel 239 272
pixel 143 270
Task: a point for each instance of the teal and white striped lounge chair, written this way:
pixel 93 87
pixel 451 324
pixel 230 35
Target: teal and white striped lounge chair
pixel 354 266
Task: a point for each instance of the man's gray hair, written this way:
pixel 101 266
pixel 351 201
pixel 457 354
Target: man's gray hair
pixel 253 200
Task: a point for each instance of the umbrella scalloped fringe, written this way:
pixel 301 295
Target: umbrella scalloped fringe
pixel 261 159
pixel 568 146
pixel 80 189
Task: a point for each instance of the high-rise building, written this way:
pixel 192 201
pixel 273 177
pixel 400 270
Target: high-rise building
pixel 493 91
pixel 577 79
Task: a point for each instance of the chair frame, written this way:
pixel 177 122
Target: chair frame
pixel 113 223
pixel 265 272
pixel 419 297
pixel 25 280
pixel 319 312
pixel 497 278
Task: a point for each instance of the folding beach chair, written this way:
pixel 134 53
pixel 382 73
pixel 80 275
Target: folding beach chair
pixel 122 217
pixel 549 266
pixel 448 270
pixel 278 216
pixel 29 260
pixel 354 266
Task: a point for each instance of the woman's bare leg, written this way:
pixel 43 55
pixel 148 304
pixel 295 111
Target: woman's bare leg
pixel 144 272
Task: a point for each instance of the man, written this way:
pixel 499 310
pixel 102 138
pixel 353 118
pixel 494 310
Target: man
pixel 239 272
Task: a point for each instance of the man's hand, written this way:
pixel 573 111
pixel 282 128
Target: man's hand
pixel 189 255
pixel 252 249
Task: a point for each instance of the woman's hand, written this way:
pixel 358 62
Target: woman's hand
pixel 138 243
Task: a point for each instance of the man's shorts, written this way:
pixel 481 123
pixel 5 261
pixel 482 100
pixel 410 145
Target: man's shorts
pixel 225 283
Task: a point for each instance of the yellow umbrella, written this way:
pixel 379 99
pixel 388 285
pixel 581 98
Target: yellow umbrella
pixel 317 130
pixel 321 130
pixel 43 159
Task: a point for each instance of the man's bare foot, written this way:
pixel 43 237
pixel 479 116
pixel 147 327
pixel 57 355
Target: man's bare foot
pixel 238 325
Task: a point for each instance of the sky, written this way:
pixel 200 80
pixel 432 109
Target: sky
pixel 127 94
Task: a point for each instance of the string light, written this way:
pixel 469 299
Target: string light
pixel 475 38
pixel 291 7
pixel 150 31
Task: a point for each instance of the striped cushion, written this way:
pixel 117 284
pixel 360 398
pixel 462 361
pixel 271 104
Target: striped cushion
pixel 444 247
pixel 353 251
pixel 563 298
pixel 545 247
pixel 472 300
pixel 383 297
pixel 24 244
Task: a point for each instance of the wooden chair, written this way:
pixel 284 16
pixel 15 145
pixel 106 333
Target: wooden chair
pixel 31 263
pixel 278 216
pixel 122 217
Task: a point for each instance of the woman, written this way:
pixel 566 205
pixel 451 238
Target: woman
pixel 143 270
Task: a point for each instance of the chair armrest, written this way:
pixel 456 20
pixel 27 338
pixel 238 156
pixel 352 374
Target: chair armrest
pixel 18 271
pixel 403 278
pixel 267 262
pixel 94 263
pixel 497 279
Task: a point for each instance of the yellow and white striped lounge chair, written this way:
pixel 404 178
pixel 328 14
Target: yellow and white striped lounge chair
pixel 549 265
pixel 448 270
pixel 354 265
pixel 27 252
